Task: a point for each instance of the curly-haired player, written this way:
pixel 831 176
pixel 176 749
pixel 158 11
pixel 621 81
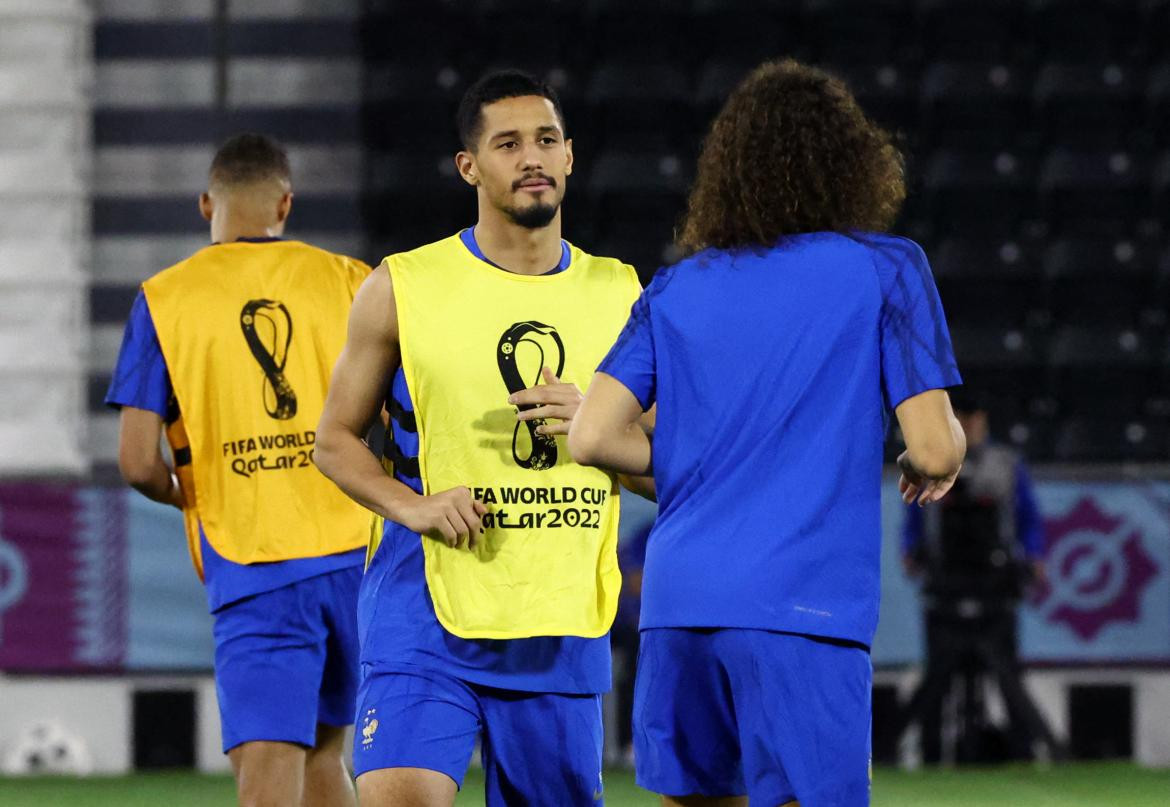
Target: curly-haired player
pixel 774 351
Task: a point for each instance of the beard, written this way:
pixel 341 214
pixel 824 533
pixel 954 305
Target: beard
pixel 534 216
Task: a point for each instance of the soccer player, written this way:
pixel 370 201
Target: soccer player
pixel 230 351
pixel 486 602
pixel 773 350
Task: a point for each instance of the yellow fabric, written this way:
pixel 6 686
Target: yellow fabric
pixel 472 334
pixel 250 332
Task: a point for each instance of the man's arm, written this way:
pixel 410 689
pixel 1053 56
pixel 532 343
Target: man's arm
pixel 607 432
pixel 935 446
pixel 356 395
pixel 140 458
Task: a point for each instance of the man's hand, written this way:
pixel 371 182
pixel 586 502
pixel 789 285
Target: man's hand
pixel 551 400
pixel 914 485
pixel 451 516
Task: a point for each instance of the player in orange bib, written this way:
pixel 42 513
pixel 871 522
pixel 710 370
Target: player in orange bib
pixel 230 351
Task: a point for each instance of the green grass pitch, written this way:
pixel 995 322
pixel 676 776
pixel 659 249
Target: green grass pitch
pixel 1073 785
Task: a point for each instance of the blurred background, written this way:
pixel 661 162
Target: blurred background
pixel 1037 137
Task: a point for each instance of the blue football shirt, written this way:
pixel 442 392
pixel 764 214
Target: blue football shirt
pixel 141 380
pixel 773 371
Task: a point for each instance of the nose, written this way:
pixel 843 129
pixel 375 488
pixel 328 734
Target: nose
pixel 530 157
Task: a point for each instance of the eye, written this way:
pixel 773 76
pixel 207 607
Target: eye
pixel 508 144
pixel 548 140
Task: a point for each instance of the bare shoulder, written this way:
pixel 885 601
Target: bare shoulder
pixel 373 309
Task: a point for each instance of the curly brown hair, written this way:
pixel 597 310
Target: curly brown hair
pixel 791 152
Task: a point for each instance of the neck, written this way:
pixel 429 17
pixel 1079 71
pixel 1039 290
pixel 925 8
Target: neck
pixel 515 248
pixel 235 230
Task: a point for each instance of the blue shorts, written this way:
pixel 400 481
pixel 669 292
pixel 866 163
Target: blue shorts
pixel 538 748
pixel 287 659
pixel 732 712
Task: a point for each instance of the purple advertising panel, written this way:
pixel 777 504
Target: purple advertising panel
pixel 62 578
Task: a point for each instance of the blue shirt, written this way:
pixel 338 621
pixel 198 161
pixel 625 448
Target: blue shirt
pixel 396 617
pixel 773 371
pixel 141 380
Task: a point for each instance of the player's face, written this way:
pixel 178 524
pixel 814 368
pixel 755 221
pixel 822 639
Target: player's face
pixel 522 159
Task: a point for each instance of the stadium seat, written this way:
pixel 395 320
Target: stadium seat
pixel 411 106
pixel 749 31
pixel 639 105
pixel 715 82
pixel 520 45
pixel 982 191
pixel 1093 439
pixel 1101 370
pixel 1162 188
pixel 652 31
pixel 1157 115
pixel 1089 104
pixel 982 257
pixel 870 31
pixel 972 30
pixel 421 197
pixel 1099 191
pixel 1084 30
pixel 975 104
pixel 887 91
pixel 437 35
pixel 1101 282
pixel 638 186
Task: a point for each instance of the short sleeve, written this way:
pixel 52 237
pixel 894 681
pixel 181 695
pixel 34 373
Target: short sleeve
pixel 916 353
pixel 140 376
pixel 631 360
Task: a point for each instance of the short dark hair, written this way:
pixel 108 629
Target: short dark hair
pixel 791 152
pixel 247 158
pixel 497 86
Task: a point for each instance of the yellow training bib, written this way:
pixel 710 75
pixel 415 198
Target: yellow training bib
pixel 250 332
pixel 471 334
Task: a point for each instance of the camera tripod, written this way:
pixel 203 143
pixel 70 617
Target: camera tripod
pixel 972 638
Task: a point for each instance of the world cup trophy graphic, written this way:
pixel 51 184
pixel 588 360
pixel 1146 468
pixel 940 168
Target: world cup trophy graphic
pixel 268 330
pixel 529 346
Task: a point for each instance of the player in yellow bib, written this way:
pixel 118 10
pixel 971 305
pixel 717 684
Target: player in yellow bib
pixel 231 350
pixel 489 594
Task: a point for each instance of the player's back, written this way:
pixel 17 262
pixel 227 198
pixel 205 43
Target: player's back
pixel 250 331
pixel 770 370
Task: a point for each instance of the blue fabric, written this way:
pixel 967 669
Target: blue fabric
pixel 773 716
pixel 468 238
pixel 286 660
pixel 538 748
pixel 140 376
pixel 400 631
pixel 773 370
pixel 141 381
pixel 1029 522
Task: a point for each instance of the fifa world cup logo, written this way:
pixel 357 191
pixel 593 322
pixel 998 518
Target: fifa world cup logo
pixel 542 453
pixel 268 330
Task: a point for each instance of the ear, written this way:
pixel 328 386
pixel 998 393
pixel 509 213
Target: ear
pixel 568 156
pixel 206 206
pixel 284 207
pixel 465 165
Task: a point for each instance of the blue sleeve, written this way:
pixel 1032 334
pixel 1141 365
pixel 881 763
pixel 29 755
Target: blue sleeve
pixel 140 376
pixel 912 529
pixel 916 352
pixel 631 360
pixel 1029 524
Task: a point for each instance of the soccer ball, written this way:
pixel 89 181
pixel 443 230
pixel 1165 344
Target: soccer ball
pixel 47 748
